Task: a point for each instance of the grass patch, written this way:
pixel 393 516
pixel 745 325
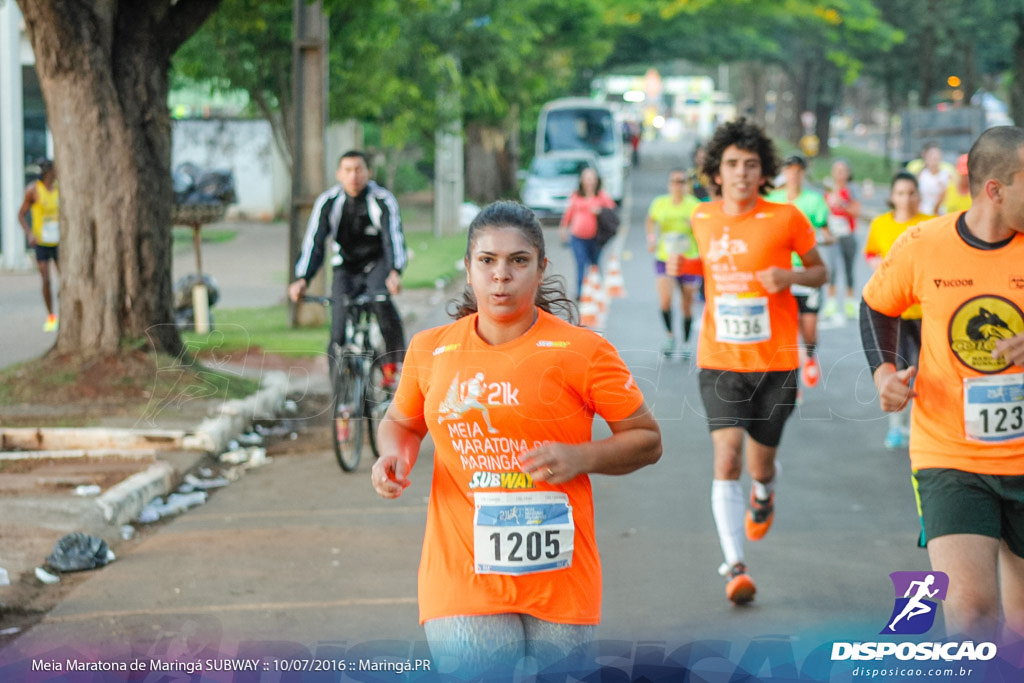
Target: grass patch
pixel 433 258
pixel 181 235
pixel 127 380
pixel 242 329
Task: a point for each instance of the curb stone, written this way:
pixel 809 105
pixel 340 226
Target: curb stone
pixel 213 434
pixel 123 503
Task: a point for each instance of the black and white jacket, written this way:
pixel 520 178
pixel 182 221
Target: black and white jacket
pixel 380 240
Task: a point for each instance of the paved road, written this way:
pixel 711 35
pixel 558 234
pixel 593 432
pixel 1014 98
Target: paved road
pixel 298 559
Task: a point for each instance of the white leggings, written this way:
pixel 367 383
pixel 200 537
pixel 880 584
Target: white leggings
pixel 470 646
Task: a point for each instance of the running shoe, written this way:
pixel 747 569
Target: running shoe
pixel 759 517
pixel 852 310
pixel 896 438
pixel 669 348
pixel 51 323
pixel 811 373
pixel 830 309
pixel 740 587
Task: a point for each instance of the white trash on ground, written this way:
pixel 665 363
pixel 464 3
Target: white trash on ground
pixel 45 576
pixel 176 503
pixel 87 490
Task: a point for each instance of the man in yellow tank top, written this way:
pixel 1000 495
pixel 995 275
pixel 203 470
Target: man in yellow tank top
pixel 42 202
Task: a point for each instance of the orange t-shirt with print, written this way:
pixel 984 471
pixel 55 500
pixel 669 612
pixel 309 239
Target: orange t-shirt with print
pixel 969 410
pixel 746 329
pixel 496 541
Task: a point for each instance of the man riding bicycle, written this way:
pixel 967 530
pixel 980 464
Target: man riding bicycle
pixel 360 220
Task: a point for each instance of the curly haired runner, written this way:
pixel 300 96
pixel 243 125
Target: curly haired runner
pixel 508 394
pixel 747 350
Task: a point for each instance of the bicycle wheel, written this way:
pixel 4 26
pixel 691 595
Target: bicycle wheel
pixel 378 398
pixel 347 421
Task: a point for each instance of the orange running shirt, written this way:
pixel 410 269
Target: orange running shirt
pixel 745 329
pixel 969 410
pixel 496 541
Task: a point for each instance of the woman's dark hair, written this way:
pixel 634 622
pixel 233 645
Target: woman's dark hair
pixel 508 214
pixel 597 189
pixel 902 175
pixel 749 137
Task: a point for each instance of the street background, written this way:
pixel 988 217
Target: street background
pixel 299 559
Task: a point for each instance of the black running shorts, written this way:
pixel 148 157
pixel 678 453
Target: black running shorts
pixel 957 502
pixel 759 402
pixel 808 303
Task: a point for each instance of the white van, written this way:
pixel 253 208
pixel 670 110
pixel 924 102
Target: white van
pixel 576 123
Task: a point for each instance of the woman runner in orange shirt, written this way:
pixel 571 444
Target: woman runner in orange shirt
pixel 508 393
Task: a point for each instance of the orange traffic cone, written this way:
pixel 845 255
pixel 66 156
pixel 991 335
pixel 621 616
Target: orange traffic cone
pixel 616 286
pixel 589 310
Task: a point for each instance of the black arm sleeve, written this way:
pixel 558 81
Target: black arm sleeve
pixel 879 334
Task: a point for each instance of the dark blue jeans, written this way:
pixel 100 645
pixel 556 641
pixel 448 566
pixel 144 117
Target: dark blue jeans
pixel 587 253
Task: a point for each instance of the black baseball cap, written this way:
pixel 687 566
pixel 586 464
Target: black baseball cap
pixel 795 160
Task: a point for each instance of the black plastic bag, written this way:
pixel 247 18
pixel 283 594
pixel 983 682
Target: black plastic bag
pixel 607 225
pixel 77 552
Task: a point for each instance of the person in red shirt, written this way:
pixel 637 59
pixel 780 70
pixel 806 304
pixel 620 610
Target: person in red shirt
pixel 844 210
pixel 508 394
pixel 579 223
pixel 748 350
pixel 967 423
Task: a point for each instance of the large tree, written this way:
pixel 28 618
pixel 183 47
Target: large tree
pixel 103 69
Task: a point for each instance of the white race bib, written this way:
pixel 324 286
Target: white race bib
pixel 839 226
pixel 742 320
pixel 522 533
pixel 50 234
pixel 994 407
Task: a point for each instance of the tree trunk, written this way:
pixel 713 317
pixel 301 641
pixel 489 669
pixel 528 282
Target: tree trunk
pixel 103 73
pixel 926 58
pixel 485 154
pixel 799 77
pixel 830 89
pixel 1017 86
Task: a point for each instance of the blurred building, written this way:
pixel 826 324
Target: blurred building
pixel 23 133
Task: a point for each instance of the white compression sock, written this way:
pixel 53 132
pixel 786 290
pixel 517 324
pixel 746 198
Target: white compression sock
pixel 728 509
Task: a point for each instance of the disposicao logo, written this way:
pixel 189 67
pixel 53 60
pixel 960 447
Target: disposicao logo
pixel 916 603
pixel 917 596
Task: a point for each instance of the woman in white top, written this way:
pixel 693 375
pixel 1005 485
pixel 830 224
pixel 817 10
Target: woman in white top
pixel 933 180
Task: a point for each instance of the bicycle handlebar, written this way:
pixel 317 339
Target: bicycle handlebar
pixel 360 300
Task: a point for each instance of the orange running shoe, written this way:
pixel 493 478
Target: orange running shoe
pixel 740 588
pixel 810 373
pixel 759 517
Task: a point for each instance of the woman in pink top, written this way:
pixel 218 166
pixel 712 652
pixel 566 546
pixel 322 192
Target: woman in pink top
pixel 579 223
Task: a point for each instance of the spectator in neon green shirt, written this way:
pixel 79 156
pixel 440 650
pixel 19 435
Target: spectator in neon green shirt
pixel 669 236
